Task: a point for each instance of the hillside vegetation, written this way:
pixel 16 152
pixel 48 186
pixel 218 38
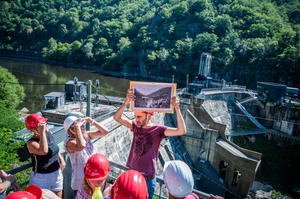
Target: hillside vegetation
pixel 249 40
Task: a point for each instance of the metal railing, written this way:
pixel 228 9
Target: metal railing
pixel 160 181
pixel 17 170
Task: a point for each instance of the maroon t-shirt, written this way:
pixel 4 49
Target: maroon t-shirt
pixel 144 148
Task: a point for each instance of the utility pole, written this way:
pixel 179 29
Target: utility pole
pixel 97 100
pixel 187 81
pixel 80 95
pixel 88 107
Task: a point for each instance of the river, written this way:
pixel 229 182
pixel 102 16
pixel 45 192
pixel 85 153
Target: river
pixel 38 79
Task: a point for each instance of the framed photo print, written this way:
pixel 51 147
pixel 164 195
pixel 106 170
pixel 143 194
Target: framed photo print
pixel 152 96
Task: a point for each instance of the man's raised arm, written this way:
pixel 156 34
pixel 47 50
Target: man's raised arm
pixel 181 129
pixel 118 115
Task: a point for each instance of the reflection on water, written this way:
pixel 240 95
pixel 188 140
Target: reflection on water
pixel 43 78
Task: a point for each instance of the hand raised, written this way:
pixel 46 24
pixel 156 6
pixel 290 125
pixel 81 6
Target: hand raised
pixel 80 122
pixel 88 120
pixel 175 102
pixel 130 96
pixel 42 128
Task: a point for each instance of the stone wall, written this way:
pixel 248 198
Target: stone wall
pixel 198 140
pixel 284 118
pixel 245 166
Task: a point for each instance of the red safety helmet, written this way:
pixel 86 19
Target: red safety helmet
pixel 129 185
pixel 150 113
pixel 33 120
pixel 35 190
pixel 97 167
pixel 31 192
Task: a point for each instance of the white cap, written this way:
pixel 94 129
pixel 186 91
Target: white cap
pixel 69 121
pixel 178 178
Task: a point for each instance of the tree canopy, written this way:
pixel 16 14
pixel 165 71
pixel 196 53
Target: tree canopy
pixel 250 41
pixel 11 93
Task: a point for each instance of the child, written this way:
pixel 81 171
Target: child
pixel 96 171
pixel 130 184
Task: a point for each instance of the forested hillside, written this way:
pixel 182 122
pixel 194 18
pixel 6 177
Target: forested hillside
pixel 250 40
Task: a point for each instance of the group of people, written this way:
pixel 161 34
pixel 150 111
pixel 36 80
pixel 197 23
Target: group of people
pixel 90 169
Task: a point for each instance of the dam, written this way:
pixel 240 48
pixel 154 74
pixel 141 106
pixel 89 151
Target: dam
pixel 219 166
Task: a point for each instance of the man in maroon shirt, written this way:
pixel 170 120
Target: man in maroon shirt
pixel 146 139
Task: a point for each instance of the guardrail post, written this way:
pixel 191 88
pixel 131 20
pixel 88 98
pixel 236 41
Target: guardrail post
pixel 160 190
pixel 88 111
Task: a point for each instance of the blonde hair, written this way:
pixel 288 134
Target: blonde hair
pixel 87 188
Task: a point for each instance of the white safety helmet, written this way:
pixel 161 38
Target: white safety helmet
pixel 178 178
pixel 69 121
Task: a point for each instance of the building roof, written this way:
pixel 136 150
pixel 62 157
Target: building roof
pixel 272 84
pixel 55 94
pixel 72 82
pixel 230 148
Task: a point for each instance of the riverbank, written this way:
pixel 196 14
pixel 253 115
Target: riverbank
pixel 37 56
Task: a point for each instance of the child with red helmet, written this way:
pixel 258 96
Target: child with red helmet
pixel 130 184
pixel 96 172
pixel 31 192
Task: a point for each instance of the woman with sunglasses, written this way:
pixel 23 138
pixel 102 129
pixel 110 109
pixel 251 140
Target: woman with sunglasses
pixel 47 163
pixel 79 146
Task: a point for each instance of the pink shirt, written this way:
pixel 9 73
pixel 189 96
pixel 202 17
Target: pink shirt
pixel 144 148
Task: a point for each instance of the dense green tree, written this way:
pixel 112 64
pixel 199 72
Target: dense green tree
pixel 223 25
pixel 257 34
pixel 9 143
pixel 11 93
pixel 258 31
pixel 198 6
pixel 49 52
pixel 87 49
pixel 206 42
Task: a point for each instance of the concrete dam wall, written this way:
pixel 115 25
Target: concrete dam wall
pixel 203 147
